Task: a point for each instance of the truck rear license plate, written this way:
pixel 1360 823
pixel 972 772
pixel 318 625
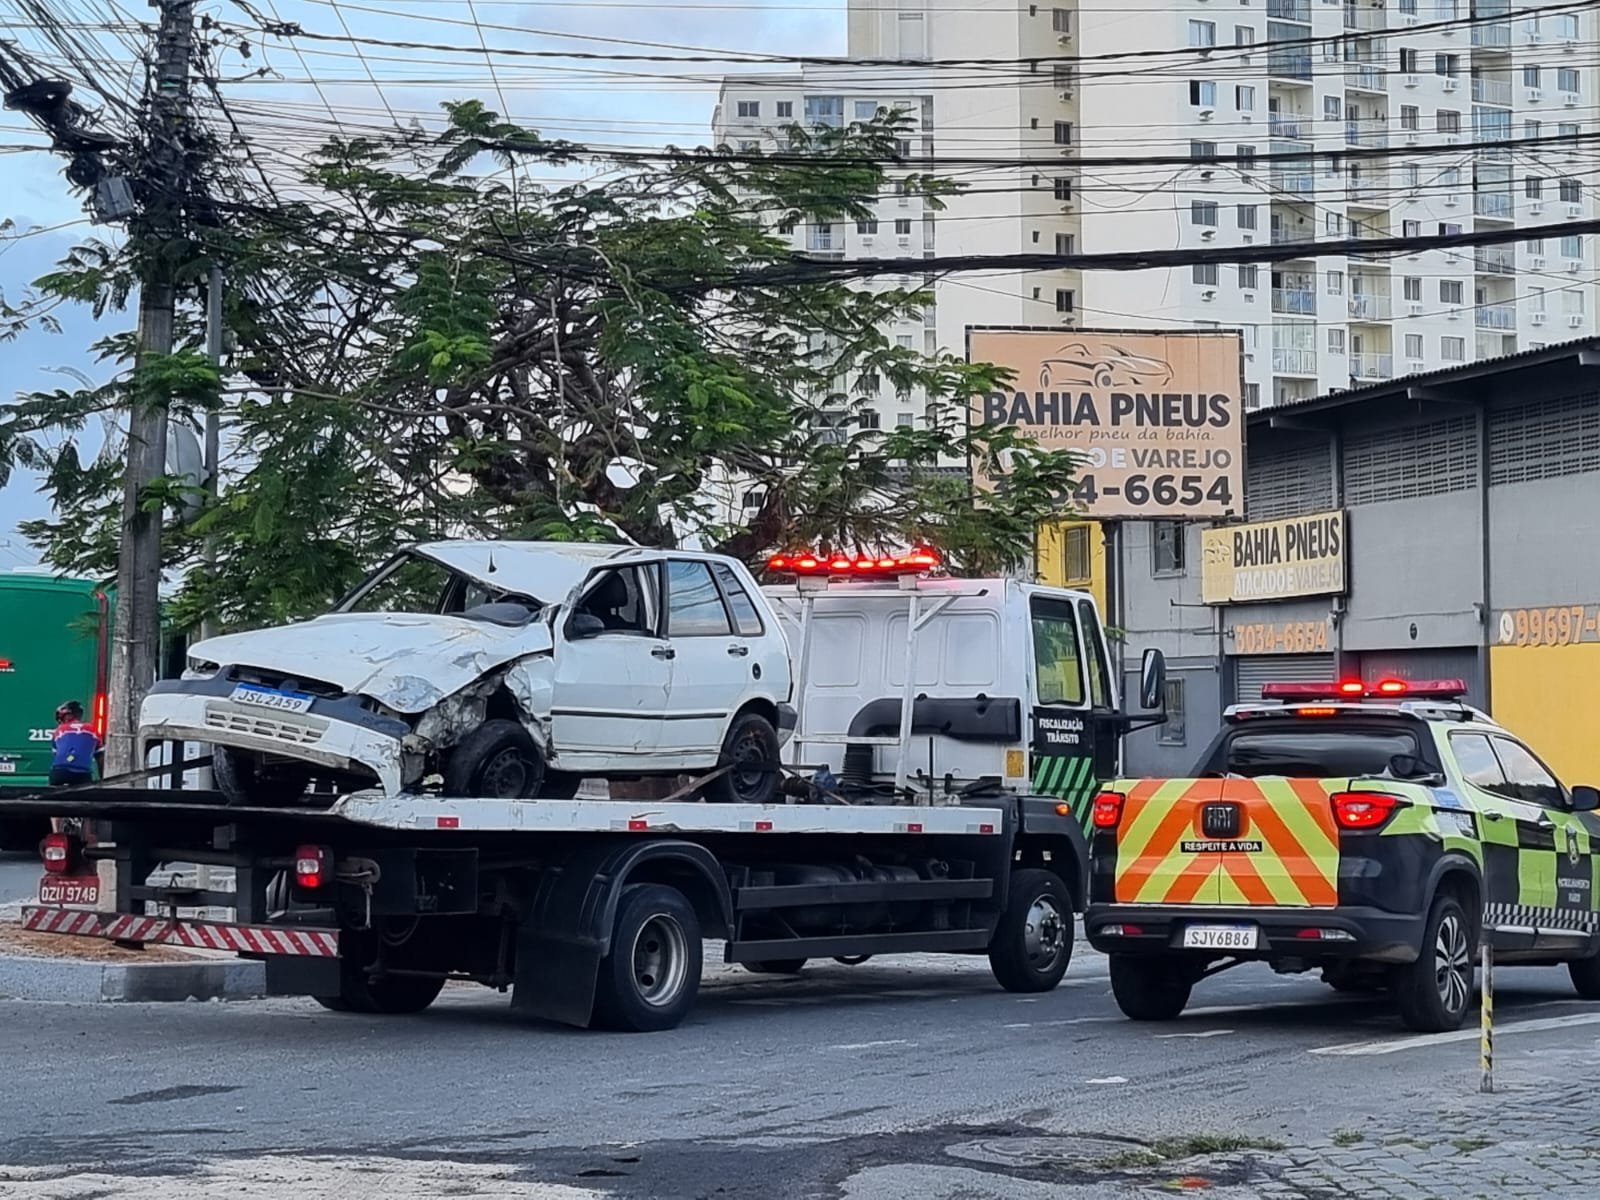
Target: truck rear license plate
pixel 1220 937
pixel 8 768
pixel 276 698
pixel 69 889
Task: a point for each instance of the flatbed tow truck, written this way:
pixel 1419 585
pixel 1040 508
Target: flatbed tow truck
pixel 592 911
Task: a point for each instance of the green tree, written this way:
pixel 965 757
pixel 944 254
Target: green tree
pixel 439 345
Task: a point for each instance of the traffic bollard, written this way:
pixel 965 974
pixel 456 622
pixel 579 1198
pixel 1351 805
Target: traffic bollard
pixel 1486 1019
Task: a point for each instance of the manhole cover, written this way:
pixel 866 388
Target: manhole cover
pixel 1089 1153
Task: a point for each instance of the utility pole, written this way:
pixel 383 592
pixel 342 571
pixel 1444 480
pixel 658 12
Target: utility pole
pixel 136 639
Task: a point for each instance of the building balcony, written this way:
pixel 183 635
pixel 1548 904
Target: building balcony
pixel 1290 10
pixel 1496 206
pixel 1493 35
pixel 1366 77
pixel 1294 301
pixel 1293 127
pixel 1367 133
pixel 1495 260
pixel 1289 64
pixel 1363 17
pixel 1369 306
pixel 1496 316
pixel 1288 360
pixel 1371 366
pixel 1368 255
pixel 1491 91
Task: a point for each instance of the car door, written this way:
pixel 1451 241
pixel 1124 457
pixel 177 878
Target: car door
pixel 611 679
pixel 1554 854
pixel 711 663
pixel 1502 820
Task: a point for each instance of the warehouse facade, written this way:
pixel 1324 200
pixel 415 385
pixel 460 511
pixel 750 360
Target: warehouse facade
pixel 1444 525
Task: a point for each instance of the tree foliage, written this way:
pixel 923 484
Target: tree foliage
pixel 430 342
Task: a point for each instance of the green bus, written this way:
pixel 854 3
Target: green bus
pixel 55 645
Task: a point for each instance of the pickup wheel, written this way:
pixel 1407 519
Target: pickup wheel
pixel 1151 987
pixel 245 780
pixel 1434 992
pixel 1032 942
pixel 498 761
pixel 751 750
pixel 1585 974
pixel 649 980
pixel 388 995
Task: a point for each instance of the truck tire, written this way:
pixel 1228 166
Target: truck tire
pixel 1585 974
pixel 649 980
pixel 244 780
pixel 388 995
pixel 1151 987
pixel 777 966
pixel 496 761
pixel 1032 942
pixel 1434 993
pixel 751 743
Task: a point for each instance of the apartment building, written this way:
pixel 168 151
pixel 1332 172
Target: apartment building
pixel 1411 118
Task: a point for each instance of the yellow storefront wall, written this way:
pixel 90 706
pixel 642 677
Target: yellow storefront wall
pixel 1052 558
pixel 1544 694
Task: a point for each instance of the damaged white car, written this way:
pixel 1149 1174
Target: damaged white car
pixel 505 669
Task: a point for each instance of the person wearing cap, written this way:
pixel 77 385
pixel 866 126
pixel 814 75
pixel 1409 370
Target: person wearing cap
pixel 75 744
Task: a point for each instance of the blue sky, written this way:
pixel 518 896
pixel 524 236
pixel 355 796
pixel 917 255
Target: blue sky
pixel 561 98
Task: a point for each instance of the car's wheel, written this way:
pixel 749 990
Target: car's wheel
pixel 651 976
pixel 387 995
pixel 1151 987
pixel 750 751
pixel 497 761
pixel 777 966
pixel 1032 943
pixel 1434 992
pixel 1585 974
pixel 244 778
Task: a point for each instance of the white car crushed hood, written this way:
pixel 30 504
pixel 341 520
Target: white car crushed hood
pixel 406 661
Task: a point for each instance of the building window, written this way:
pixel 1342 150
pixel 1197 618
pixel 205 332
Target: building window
pixel 784 108
pixel 1202 33
pixel 1249 277
pixel 1332 108
pixel 1571 191
pixel 1530 129
pixel 1252 396
pixel 1075 550
pixel 749 108
pixel 868 226
pixel 1247 159
pixel 1447 121
pixel 1335 283
pixel 903 340
pixel 1411 229
pixel 1203 93
pixel 869 384
pixel 1572 302
pixel 1413 345
pixel 1166 547
pixel 913 35
pixel 1533 187
pixel 1205 274
pixel 1063 135
pixel 1540 301
pixel 1450 291
pixel 1199 151
pixel 870 418
pixel 1335 341
pixel 1413 287
pixel 902 226
pixel 1064 298
pixel 1447 65
pixel 1203 212
pixel 1409 116
pixel 1333 224
pixel 1244 98
pixel 1247 216
pixel 1408 61
pixel 1572 247
pixel 1244 35
pixel 1063 189
pixel 904 420
pixel 1567 79
pixel 1061 20
pixel 786 226
pixel 1453 349
pixel 902 147
pixel 1530 75
pixel 866 110
pixel 825 110
pixel 1066 245
pixel 1175 732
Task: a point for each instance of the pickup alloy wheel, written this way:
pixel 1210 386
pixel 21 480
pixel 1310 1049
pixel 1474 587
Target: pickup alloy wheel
pixel 1435 991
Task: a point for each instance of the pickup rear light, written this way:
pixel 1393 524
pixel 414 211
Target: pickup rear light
pixel 58 852
pixel 1363 810
pixel 313 867
pixel 1108 810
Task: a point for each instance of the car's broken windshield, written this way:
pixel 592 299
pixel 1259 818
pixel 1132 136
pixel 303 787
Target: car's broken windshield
pixel 414 584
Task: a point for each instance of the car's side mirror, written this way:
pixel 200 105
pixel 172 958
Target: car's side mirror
pixel 1153 681
pixel 1585 798
pixel 585 625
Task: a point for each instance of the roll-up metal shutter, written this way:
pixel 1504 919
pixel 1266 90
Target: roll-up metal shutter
pixel 1251 673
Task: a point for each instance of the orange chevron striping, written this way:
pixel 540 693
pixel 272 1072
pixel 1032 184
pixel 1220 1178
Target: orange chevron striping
pixel 1244 874
pixel 1292 858
pixel 1186 886
pixel 1161 844
pixel 1315 796
pixel 1139 795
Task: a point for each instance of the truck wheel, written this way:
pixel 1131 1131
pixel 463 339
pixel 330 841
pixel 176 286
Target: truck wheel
pixel 651 977
pixel 497 761
pixel 245 780
pixel 1150 987
pixel 777 966
pixel 388 995
pixel 1585 974
pixel 1434 992
pixel 1032 943
pixel 751 749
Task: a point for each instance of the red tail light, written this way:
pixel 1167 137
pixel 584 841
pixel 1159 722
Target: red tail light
pixel 1108 810
pixel 102 706
pixel 313 867
pixel 1363 810
pixel 57 852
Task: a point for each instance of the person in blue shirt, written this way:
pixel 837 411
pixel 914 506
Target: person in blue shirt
pixel 76 744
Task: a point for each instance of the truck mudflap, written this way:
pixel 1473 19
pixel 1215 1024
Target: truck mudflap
pixel 294 941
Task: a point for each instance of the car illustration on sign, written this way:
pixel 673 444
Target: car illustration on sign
pixel 1077 365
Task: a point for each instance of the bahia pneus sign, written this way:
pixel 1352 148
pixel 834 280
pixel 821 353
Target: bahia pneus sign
pixel 1154 420
pixel 1274 560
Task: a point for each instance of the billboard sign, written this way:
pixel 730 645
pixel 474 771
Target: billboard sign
pixel 1155 420
pixel 1274 560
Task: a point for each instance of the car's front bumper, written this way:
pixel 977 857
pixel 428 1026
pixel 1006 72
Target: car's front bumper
pixel 197 711
pixel 1312 934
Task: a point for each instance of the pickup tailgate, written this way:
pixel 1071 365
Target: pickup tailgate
pixel 1267 841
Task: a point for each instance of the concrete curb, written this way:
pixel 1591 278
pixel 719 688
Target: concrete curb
pixel 77 981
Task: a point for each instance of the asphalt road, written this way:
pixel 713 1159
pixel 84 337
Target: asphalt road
pixel 19 877
pixel 884 1080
